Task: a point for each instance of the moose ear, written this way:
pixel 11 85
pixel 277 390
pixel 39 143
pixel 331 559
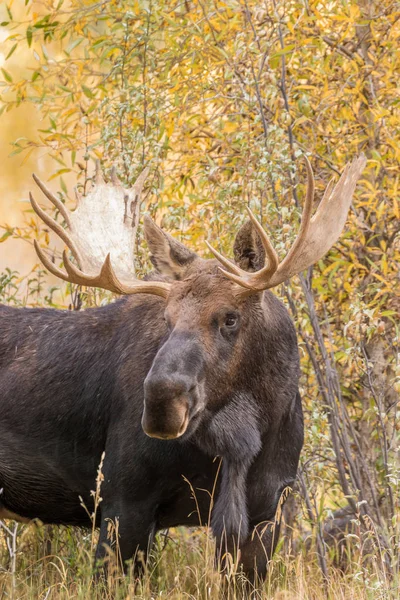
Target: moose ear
pixel 169 257
pixel 248 250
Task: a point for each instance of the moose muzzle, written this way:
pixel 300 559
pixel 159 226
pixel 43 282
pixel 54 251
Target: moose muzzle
pixel 173 389
pixel 166 409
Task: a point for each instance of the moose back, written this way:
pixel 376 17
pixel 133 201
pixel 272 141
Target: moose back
pixel 198 361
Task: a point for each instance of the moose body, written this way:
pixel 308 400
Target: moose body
pixel 189 386
pixel 72 388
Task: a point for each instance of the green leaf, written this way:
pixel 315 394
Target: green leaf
pixel 17 151
pixel 45 53
pixel 29 34
pixel 5 236
pixel 63 186
pixel 88 92
pixel 11 51
pixel 6 75
pixel 73 45
pixel 59 172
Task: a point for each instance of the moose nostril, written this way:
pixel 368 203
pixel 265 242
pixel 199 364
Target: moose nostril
pixel 184 424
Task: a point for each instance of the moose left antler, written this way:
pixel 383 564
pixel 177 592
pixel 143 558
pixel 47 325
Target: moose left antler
pixel 317 233
pixel 102 238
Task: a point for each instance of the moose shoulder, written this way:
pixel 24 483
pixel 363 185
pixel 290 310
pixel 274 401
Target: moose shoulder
pixel 195 363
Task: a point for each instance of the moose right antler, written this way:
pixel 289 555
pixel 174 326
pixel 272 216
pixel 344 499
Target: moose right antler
pixel 101 237
pixel 316 236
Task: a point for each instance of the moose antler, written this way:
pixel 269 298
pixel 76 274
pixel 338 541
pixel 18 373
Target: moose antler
pixel 101 232
pixel 316 236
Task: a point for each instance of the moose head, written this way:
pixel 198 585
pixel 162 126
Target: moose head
pixel 212 307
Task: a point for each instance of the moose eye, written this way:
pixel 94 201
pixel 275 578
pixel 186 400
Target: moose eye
pixel 230 320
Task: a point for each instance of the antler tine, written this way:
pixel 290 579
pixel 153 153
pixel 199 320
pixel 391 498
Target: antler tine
pixel 232 268
pixel 53 199
pixel 240 276
pixel 98 175
pixel 305 217
pixel 328 191
pixel 48 264
pixel 108 280
pixel 331 188
pixel 56 227
pixel 272 256
pixel 78 195
pixel 114 176
pixel 140 180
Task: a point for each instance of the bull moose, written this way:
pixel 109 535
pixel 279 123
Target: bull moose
pixel 199 360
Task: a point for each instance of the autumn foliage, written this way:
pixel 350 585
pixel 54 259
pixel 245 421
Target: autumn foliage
pixel 221 98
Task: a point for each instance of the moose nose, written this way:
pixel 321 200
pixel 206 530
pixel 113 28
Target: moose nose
pixel 166 407
pixel 163 389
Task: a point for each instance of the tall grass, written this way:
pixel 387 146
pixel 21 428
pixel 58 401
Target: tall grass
pixel 44 562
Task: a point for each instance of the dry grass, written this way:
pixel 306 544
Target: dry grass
pixel 49 563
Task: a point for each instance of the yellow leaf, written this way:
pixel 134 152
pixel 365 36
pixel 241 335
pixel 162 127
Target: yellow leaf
pixel 229 126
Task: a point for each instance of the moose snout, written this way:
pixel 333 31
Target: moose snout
pixel 167 407
pixel 174 387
